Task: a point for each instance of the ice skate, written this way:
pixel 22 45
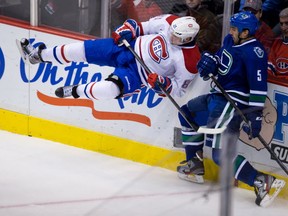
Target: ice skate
pixel 193 171
pixel 266 188
pixel 66 91
pixel 28 52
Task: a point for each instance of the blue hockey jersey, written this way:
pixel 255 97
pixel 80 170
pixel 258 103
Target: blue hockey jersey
pixel 242 71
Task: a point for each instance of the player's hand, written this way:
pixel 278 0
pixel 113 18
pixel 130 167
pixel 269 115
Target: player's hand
pixel 128 31
pixel 154 80
pixel 208 64
pixel 255 120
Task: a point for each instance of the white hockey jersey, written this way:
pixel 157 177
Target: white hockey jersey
pixel 176 62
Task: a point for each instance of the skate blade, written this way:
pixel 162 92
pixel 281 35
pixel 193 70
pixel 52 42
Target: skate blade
pixel 23 56
pixel 274 191
pixel 192 178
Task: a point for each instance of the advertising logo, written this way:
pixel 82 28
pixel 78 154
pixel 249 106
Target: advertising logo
pixel 267 130
pixel 274 123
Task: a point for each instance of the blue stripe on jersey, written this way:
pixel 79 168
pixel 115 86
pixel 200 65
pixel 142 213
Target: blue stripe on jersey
pixel 85 89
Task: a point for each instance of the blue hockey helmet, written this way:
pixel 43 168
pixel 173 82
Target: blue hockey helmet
pixel 245 20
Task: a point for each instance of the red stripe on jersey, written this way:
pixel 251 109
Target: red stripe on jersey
pixel 62 54
pixel 141 57
pixel 90 91
pixel 141 28
pixel 191 58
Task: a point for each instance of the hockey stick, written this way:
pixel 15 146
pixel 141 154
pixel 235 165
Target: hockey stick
pixel 261 139
pixel 191 124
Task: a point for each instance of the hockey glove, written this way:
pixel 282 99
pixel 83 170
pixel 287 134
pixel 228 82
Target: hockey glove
pixel 154 80
pixel 208 64
pixel 128 31
pixel 255 120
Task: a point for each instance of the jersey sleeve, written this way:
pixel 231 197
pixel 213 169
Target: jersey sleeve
pixel 185 71
pixel 256 67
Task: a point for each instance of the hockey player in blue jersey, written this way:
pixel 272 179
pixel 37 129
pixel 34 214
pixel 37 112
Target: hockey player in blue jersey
pixel 241 68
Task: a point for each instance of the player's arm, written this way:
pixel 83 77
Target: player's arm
pixel 256 68
pixel 271 59
pixel 185 72
pixel 158 82
pixel 257 77
pixel 176 85
pixel 182 79
pixel 129 30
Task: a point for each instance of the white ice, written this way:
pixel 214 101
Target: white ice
pixel 43 178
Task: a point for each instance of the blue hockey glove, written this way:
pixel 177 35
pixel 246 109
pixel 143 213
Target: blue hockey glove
pixel 128 31
pixel 255 120
pixel 154 80
pixel 208 64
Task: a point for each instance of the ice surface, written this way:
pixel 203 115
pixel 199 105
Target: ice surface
pixel 44 178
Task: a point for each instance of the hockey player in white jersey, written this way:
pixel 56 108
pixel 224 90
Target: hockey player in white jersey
pixel 165 43
pixel 241 69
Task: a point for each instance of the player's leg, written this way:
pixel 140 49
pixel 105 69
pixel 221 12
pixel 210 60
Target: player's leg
pixel 121 81
pixel 101 51
pixel 266 186
pixel 192 169
pixel 102 90
pixel 59 54
pixel 213 111
pixel 30 53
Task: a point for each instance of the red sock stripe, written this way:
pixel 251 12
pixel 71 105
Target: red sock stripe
pixel 90 90
pixel 62 54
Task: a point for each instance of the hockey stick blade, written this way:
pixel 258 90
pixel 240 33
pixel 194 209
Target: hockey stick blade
pixel 21 51
pixel 191 178
pixel 211 130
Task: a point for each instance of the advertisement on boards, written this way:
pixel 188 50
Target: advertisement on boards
pixel 274 126
pixel 31 90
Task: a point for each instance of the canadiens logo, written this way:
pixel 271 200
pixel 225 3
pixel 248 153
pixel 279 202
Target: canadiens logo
pixel 158 49
pixel 259 52
pixel 282 65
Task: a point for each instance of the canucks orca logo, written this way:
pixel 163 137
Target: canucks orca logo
pixel 259 52
pixel 2 63
pixel 226 61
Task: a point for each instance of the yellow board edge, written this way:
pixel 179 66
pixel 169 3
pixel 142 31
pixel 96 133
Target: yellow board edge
pixel 107 144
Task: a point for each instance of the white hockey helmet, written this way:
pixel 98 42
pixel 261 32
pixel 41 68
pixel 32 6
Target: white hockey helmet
pixel 185 28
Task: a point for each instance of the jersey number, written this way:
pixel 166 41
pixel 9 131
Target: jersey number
pixel 259 77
